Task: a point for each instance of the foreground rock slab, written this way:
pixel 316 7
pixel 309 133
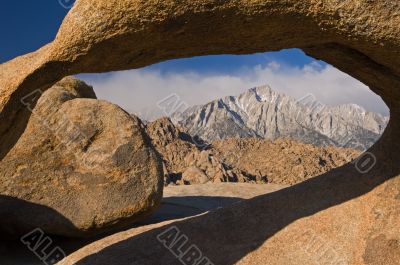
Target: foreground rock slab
pixel 179 202
pixel 185 201
pixel 82 167
pixel 310 223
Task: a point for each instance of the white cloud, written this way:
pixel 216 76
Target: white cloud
pixel 138 91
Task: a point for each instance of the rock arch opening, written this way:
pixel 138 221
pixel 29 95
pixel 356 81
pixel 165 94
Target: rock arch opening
pixel 224 123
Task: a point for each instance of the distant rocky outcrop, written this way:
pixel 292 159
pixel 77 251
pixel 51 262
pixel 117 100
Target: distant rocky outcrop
pixel 283 161
pixel 254 160
pixel 264 113
pixel 185 162
pixel 82 167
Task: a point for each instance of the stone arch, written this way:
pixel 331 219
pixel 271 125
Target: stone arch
pixel 360 37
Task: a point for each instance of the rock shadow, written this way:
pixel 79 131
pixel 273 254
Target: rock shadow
pixel 227 235
pixel 173 208
pixel 12 250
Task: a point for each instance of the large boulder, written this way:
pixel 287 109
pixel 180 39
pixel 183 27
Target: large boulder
pixel 83 166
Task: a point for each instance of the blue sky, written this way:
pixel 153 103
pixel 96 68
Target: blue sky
pixel 232 63
pixel 26 25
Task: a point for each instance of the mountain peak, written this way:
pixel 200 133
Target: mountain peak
pixel 263 93
pixel 263 112
pixel 262 90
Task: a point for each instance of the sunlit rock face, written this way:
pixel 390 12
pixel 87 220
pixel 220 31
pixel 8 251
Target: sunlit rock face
pixel 264 113
pixel 353 211
pixel 82 167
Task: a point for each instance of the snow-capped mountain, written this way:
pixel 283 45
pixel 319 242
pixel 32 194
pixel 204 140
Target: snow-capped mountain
pixel 265 113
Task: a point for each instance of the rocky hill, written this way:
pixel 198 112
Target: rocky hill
pixel 264 113
pixel 283 161
pixel 185 162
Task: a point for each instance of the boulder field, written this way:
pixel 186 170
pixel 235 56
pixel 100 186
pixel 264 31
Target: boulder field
pixel 245 160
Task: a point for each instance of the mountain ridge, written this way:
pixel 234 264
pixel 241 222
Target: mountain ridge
pixel 265 113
